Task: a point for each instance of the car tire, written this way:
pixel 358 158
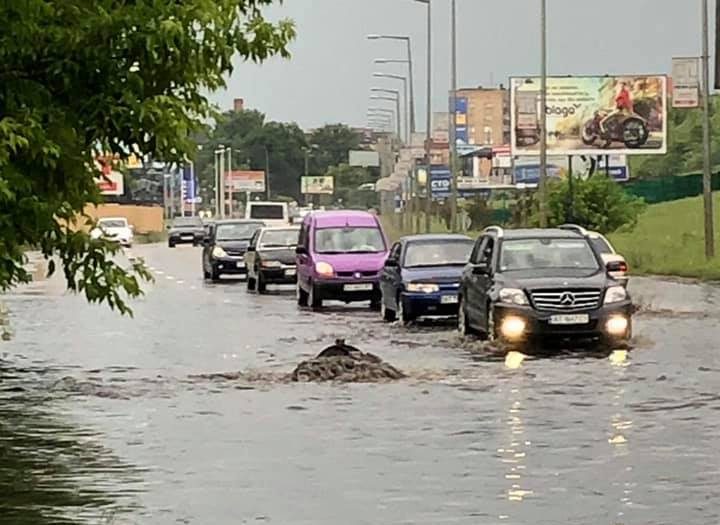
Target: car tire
pixel 215 275
pixel 387 314
pixel 313 300
pixel 302 296
pixel 404 316
pixel 250 284
pixel 261 284
pixel 171 244
pixel 206 274
pixel 463 322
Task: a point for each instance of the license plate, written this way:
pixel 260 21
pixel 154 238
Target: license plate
pixel 290 272
pixel 570 319
pixel 449 299
pixel 186 237
pixel 358 287
pixel 241 264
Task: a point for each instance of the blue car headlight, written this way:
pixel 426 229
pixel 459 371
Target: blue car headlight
pixel 422 288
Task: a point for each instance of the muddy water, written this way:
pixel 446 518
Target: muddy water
pixel 105 420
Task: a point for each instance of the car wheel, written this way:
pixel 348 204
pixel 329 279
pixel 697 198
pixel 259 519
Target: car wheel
pixel 215 275
pixel 463 324
pixel 250 284
pixel 261 285
pixel 313 300
pixel 171 244
pixel 403 315
pixel 302 296
pixel 387 314
pixel 206 274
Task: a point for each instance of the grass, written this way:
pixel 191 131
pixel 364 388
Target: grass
pixel 669 240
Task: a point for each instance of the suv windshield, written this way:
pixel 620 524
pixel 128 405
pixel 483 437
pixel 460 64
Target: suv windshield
pixel 544 254
pixel 187 222
pixel 113 223
pixel 349 240
pixel 437 253
pixel 236 231
pixel 279 238
pixel 267 211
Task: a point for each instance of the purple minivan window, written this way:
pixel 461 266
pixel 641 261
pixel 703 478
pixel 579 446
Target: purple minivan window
pixel 349 240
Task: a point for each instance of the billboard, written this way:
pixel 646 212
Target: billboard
pixel 686 82
pixel 591 115
pixel 461 123
pixel 527 169
pixel 317 185
pixel 246 181
pixel 111 183
pixel 365 159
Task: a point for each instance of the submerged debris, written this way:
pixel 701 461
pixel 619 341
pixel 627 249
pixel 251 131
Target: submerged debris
pixel 345 363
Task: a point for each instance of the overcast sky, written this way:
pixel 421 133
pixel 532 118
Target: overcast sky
pixel 329 76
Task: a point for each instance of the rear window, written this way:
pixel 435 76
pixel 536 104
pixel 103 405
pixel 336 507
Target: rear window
pixel 267 211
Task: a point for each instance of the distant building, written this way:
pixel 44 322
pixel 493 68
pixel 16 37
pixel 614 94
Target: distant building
pixel 487 121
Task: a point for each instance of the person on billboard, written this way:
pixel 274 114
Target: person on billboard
pixel 623 105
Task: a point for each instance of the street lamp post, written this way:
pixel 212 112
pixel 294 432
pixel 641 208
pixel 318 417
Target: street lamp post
pixel 396 93
pixel 428 110
pixel 220 181
pixel 410 97
pixel 542 183
pixel 707 168
pixel 408 106
pixel 397 109
pixel 453 117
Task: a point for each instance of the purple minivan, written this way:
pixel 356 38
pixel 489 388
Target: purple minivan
pixel 340 255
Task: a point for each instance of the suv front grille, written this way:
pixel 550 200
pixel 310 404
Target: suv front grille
pixel 352 274
pixel 586 299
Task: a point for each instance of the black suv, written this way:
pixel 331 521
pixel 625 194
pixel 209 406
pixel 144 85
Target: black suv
pixel 186 230
pixel 532 285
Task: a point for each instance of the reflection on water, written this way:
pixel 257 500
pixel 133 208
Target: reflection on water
pixel 52 472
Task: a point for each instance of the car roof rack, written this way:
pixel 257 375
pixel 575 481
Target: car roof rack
pixel 573 227
pixel 497 229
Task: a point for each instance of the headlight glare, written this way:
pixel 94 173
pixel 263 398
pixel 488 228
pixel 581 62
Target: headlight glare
pixel 219 252
pixel 271 264
pixel 325 269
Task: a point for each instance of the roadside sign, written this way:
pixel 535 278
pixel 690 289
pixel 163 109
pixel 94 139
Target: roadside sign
pixel 317 185
pixel 686 82
pixel 245 181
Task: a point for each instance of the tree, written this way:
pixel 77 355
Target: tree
pixel 254 143
pixel 78 77
pixel 597 203
pixel 347 180
pixel 333 144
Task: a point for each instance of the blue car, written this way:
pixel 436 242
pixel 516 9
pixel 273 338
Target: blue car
pixel 421 276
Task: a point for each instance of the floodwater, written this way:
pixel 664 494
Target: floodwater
pixel 104 420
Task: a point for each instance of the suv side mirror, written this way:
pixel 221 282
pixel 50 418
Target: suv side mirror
pixel 481 268
pixel 207 241
pixel 301 250
pixel 392 263
pixel 251 249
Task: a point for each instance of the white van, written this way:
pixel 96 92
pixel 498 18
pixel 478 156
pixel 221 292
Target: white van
pixel 271 213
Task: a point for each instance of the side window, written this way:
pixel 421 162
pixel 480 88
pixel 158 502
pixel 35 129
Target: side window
pixel 254 239
pixel 476 255
pixel 303 236
pixel 395 251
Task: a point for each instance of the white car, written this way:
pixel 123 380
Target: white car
pixel 606 251
pixel 114 229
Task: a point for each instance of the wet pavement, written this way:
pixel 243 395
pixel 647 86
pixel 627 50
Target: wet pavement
pixel 180 415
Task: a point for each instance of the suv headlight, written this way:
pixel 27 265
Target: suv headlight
pixel 324 269
pixel 615 294
pixel 271 264
pixel 219 252
pixel 422 287
pixel 513 296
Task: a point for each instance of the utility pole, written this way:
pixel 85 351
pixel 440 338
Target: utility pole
pixel 707 168
pixel 542 186
pixel 453 117
pixel 428 134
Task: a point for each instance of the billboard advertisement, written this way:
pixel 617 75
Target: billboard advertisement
pixel 686 82
pixel 245 181
pixel 591 115
pixel 365 159
pixel 461 122
pixel 527 169
pixel 317 185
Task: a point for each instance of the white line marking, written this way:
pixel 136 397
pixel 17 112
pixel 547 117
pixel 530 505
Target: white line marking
pixel 160 272
pixel 181 282
pixel 169 277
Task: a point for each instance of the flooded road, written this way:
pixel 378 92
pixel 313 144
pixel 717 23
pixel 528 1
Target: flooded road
pixel 104 420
